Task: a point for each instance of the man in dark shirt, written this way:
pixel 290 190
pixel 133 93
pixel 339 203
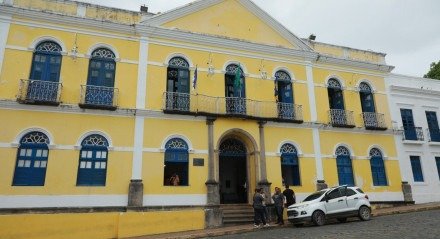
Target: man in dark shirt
pixel 290 196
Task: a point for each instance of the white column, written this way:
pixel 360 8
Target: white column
pixel 140 104
pixel 314 119
pixel 5 22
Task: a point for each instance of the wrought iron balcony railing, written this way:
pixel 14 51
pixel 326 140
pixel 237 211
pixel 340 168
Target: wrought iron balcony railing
pixel 181 103
pixel 374 121
pixel 341 118
pixel 99 97
pixel 413 133
pixel 39 92
pixel 433 134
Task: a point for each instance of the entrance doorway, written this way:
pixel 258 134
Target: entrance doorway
pixel 233 172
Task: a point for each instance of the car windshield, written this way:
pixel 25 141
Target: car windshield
pixel 314 196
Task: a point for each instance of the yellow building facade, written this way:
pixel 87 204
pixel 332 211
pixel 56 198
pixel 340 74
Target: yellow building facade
pixel 102 108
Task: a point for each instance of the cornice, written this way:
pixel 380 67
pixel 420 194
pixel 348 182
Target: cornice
pixel 67 20
pixel 414 91
pixel 353 63
pixel 216 41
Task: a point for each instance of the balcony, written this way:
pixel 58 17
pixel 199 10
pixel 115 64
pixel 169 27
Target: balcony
pixel 98 97
pixel 341 118
pixel 433 135
pixel 413 133
pixel 374 121
pixel 39 92
pixel 189 104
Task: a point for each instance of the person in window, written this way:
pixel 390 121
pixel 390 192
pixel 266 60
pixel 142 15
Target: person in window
pixel 290 196
pixel 278 199
pixel 175 180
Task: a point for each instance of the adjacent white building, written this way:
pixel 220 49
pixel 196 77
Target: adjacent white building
pixel 415 108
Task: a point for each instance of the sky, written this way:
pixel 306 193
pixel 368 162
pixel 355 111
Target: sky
pixel 408 31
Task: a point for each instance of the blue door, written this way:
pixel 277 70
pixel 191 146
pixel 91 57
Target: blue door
pixel 32 158
pixel 178 84
pixel 433 126
pixel 92 169
pixel 176 162
pixel 367 99
pixel 336 99
pixel 290 169
pixel 45 71
pixel 408 124
pixel 378 168
pixel 345 170
pixel 285 95
pixel 101 79
pixel 235 90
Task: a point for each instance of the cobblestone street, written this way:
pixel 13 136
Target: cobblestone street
pixel 411 225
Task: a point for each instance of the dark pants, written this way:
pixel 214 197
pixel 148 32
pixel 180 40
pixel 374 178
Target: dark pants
pixel 259 216
pixel 279 211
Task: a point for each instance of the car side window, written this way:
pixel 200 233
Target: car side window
pixel 334 194
pixel 350 192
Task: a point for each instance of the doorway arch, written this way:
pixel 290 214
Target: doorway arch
pixel 237 163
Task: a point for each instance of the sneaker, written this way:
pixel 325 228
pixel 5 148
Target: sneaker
pixel 256 226
pixel 266 225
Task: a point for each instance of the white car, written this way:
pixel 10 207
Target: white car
pixel 339 202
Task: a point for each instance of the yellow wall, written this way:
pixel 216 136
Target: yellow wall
pixel 62 165
pixel 74 72
pixel 220 19
pixel 99 225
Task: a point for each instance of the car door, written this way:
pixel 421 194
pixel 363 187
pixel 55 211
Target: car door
pixel 335 202
pixel 352 199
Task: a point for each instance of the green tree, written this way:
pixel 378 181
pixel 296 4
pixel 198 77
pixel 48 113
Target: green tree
pixel 434 72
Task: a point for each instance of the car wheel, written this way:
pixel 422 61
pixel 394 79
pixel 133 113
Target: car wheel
pixel 318 218
pixel 342 219
pixel 365 213
pixel 299 225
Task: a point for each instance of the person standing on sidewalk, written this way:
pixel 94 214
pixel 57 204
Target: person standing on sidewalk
pixel 258 209
pixel 278 199
pixel 290 196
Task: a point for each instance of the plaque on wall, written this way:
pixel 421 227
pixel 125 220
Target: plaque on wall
pixel 198 162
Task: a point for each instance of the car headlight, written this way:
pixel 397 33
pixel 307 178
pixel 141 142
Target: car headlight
pixel 302 206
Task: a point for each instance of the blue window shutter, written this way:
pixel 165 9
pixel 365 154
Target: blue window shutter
pixel 92 167
pixel 408 124
pixel 345 170
pixel 416 168
pixel 378 171
pixel 31 165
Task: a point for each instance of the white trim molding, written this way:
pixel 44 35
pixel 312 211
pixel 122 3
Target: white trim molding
pixel 175 199
pixel 287 70
pixel 41 39
pixel 352 155
pixel 54 201
pixel 298 149
pixel 243 67
pixel 99 132
pixel 5 23
pixel 141 96
pixel 17 139
pixel 178 54
pixel 368 82
pixel 103 45
pixel 136 171
pixel 336 77
pixel 180 136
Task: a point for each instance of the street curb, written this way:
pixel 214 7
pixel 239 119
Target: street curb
pixel 202 234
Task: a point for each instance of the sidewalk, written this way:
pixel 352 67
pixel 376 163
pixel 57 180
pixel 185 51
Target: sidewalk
pixel 248 228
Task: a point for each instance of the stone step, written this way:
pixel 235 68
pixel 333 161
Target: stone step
pixel 241 215
pixel 237 214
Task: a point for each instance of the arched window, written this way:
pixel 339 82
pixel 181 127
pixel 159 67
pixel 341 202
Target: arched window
pixel 335 97
pixel 178 84
pixel 176 163
pixel 290 165
pixel 32 156
pixel 45 73
pixel 235 90
pixel 378 168
pixel 285 95
pixel 367 99
pixel 92 167
pixel 345 169
pixel 101 79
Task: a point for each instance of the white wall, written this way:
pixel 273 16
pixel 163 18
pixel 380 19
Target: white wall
pixel 420 95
